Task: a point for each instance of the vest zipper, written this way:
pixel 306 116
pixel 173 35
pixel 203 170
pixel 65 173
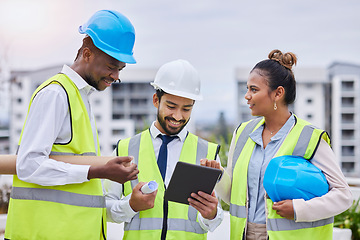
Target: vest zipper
pixel 102 228
pixel 165 218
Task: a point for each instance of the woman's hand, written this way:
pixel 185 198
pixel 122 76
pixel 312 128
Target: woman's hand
pixel 210 163
pixel 285 209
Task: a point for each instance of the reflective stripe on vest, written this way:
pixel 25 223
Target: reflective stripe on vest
pixel 303 141
pixel 244 135
pixel 237 211
pixel 173 224
pixel 187 222
pixel 73 154
pixel 283 224
pixel 57 196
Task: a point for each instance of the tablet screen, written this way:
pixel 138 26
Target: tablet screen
pixel 188 178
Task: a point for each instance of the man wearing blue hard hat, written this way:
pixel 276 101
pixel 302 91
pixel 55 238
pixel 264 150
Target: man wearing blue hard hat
pixel 57 200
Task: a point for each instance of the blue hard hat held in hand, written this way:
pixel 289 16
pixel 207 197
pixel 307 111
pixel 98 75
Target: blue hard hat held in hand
pixel 293 177
pixel 112 33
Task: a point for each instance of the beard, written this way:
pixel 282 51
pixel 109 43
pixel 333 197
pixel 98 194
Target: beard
pixel 91 81
pixel 96 84
pixel 170 130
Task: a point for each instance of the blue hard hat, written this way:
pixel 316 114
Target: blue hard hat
pixel 112 33
pixel 293 177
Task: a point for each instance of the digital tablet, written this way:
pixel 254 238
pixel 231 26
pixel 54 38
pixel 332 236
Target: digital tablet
pixel 190 178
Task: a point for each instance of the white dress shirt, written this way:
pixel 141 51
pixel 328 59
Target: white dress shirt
pixel 118 208
pixel 48 122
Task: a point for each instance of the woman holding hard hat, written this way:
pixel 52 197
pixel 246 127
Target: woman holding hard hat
pixel 278 132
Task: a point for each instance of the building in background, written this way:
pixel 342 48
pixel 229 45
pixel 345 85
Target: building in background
pixel 311 87
pixel 345 115
pixel 23 84
pixel 4 141
pixel 4 105
pixel 124 108
pixel 120 111
pixel 329 98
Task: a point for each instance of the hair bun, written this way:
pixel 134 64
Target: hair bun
pixel 287 59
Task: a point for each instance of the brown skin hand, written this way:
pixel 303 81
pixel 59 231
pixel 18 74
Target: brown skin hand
pixel 118 169
pixel 285 209
pixel 205 203
pixel 140 201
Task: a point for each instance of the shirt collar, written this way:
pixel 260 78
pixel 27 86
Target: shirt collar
pixel 154 132
pixel 79 82
pixel 256 135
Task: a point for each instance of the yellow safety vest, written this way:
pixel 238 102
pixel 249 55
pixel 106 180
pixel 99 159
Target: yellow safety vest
pixel 302 140
pixel 167 220
pixel 72 211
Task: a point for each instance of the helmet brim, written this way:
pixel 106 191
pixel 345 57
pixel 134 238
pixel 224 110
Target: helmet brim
pixel 177 93
pixel 119 56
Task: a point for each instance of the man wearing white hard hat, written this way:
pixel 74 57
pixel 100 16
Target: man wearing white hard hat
pixel 57 200
pixel 149 216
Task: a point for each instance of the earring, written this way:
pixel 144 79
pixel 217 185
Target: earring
pixel 275 107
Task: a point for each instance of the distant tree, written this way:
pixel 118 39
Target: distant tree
pixel 222 135
pixel 222 129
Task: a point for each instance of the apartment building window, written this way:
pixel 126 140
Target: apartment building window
pixel 118 105
pixel 309 100
pixel 347 101
pixel 118 132
pixel 347 118
pixel 347 134
pixel 98 118
pixel 348 166
pixel 118 116
pixel 348 151
pixel 138 102
pixel 131 86
pixel 347 85
pixel 19 100
pixel 118 101
pixel 115 86
pixel 19 84
pixel 138 117
pixel 309 116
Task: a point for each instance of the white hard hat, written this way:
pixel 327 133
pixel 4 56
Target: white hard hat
pixel 178 78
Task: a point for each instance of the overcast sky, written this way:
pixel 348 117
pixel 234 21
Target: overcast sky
pixel 215 36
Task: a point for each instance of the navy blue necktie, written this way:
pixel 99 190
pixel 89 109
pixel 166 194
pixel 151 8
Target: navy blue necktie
pixel 162 158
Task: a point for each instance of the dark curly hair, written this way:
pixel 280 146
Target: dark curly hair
pixel 278 72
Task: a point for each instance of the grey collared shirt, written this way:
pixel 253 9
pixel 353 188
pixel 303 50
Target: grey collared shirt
pixel 258 162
